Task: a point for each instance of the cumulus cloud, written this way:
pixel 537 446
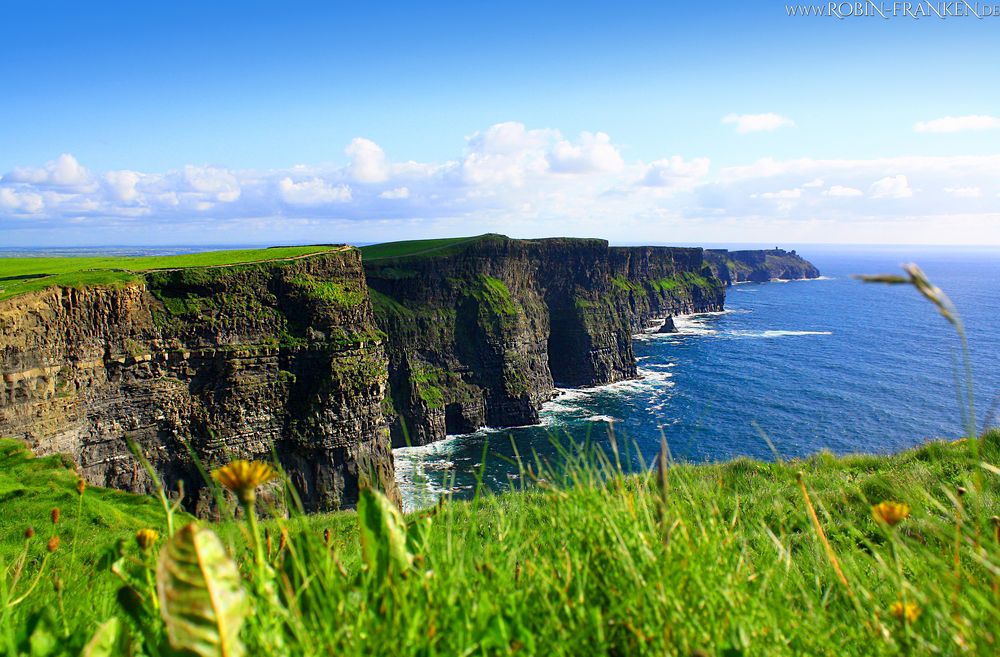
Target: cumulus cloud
pixel 767 122
pixel 219 184
pixel 783 195
pixel 958 124
pixel 964 192
pixel 840 191
pixel 891 187
pixel 594 152
pixel 675 172
pixel 398 192
pixel 123 184
pixel 64 171
pixel 313 191
pixel 368 161
pixel 20 202
pixel 518 180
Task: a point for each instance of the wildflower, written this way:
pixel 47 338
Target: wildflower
pixel 145 538
pixel 81 486
pixel 55 515
pixel 53 544
pixel 909 611
pixel 891 513
pixel 243 478
pixel 29 532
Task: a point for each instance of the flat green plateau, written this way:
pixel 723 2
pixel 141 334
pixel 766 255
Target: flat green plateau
pixel 21 275
pixel 411 248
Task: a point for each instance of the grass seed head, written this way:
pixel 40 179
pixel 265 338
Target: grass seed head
pixel 53 544
pixel 55 514
pixel 81 486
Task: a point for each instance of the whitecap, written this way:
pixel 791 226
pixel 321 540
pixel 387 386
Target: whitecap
pixel 775 333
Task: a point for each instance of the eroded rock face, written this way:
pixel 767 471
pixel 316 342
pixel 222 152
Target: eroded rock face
pixel 481 335
pixel 229 361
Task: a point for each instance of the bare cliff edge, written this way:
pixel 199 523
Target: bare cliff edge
pixel 228 360
pixel 332 360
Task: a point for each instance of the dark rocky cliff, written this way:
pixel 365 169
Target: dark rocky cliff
pixel 759 266
pixel 330 369
pixel 478 334
pixel 228 360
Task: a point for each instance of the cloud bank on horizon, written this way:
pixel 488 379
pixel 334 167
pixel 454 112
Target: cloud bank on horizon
pixel 526 182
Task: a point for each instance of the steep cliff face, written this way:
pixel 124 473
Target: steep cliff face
pixel 759 266
pixel 228 361
pixel 480 332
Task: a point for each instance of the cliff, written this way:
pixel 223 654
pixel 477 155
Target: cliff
pixel 759 266
pixel 324 358
pixel 227 360
pixel 480 330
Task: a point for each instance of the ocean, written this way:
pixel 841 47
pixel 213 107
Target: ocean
pixel 830 364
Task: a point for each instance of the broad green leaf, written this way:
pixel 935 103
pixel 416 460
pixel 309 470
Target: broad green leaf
pixel 383 535
pixel 106 641
pixel 202 600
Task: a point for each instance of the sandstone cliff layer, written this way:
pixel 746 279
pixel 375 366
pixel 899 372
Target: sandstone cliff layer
pixel 220 362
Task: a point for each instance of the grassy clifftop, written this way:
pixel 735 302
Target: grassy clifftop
pixel 20 275
pixel 740 558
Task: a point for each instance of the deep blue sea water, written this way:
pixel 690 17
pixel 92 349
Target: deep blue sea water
pixel 830 364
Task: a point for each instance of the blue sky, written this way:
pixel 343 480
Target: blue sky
pixel 225 122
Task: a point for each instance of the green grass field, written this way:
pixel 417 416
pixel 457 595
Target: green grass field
pixel 414 248
pixel 713 560
pixel 20 275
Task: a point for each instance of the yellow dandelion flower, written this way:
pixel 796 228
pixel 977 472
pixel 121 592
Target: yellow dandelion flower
pixel 146 538
pixel 243 478
pixel 891 513
pixel 909 611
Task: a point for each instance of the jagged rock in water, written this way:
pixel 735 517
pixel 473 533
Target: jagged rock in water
pixel 667 326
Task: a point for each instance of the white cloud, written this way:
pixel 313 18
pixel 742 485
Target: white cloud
pixel 397 193
pixel 959 124
pixel 313 191
pixel 891 187
pixel 123 184
pixel 595 152
pixel 964 192
pixel 757 122
pixel 527 182
pixel 218 184
pixel 20 202
pixel 368 161
pixel 783 195
pixel 675 172
pixel 840 191
pixel 64 171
